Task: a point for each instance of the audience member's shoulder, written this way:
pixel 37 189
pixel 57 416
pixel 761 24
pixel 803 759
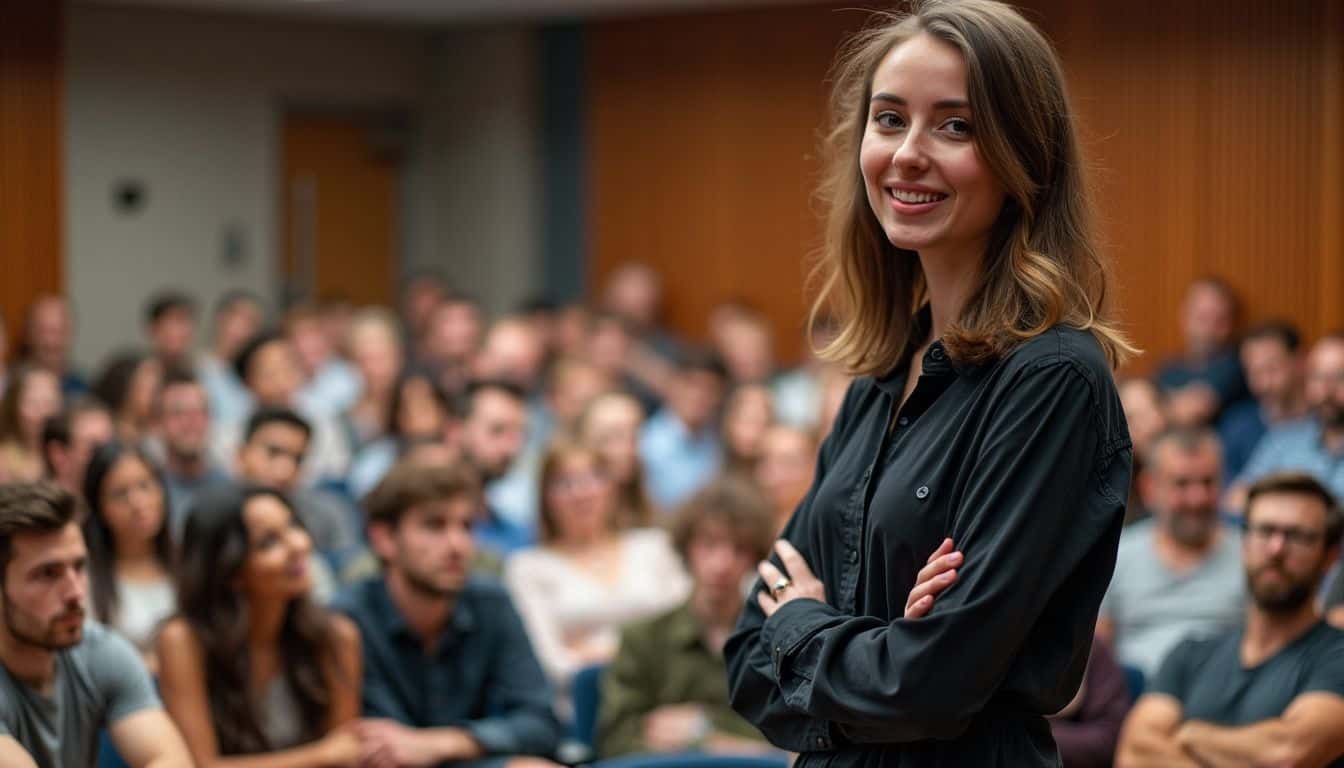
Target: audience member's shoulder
pixel 354 599
pixel 487 590
pixel 1328 640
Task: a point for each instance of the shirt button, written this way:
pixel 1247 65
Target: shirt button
pixel 903 421
pixel 936 353
pixel 923 492
pixel 821 742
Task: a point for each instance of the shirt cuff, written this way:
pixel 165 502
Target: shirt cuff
pixel 495 736
pixel 791 626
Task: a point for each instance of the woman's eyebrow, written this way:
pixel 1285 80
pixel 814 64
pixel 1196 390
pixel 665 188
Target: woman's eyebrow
pixel 943 104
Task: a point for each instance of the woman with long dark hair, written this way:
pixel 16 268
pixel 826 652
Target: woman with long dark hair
pixel 129 383
pixel 253 671
pixel 130 544
pixel 960 259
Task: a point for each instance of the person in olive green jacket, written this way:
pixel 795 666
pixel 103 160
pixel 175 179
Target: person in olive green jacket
pixel 666 690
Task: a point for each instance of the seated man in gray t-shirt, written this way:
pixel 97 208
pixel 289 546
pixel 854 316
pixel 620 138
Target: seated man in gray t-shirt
pixel 1272 691
pixel 1177 574
pixel 62 679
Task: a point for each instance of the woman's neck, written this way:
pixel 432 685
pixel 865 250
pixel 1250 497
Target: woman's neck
pixel 138 562
pixel 951 275
pixel 579 542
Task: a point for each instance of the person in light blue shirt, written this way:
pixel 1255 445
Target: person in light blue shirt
pixel 680 444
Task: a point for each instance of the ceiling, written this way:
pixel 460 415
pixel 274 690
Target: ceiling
pixel 445 11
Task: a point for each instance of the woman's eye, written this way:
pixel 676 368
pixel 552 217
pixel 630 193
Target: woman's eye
pixel 889 120
pixel 958 127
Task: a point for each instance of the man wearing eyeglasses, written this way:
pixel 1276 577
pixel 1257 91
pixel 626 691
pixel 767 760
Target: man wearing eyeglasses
pixel 1272 691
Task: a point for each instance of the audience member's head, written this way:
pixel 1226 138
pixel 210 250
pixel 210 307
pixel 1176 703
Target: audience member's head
pixel 746 345
pixel 419 409
pixel 336 314
pixel 375 347
pixel 170 320
pixel 420 294
pixel 1144 412
pixel 1325 382
pixel 238 317
pixel 184 420
pixel 269 367
pixel 1182 480
pixel 635 292
pixel 1208 316
pixel 69 437
pixel 572 322
pixel 610 343
pixel 273 449
pixel 43 583
pixel 786 468
pixel 1293 528
pixel 696 390
pixel 306 333
pixel 540 312
pixel 32 396
pixel 1272 359
pixel 572 383
pixel 128 516
pixel 512 350
pixel 420 518
pixel 494 426
pixel 578 500
pixel 130 384
pixel 48 333
pixel 747 415
pixel 453 329
pixel 722 533
pixel 245 553
pixel 610 425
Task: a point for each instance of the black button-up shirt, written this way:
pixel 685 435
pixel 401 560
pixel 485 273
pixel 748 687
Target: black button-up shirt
pixel 481 676
pixel 1025 464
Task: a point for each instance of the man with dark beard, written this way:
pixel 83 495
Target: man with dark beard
pixel 64 679
pixel 1177 573
pixel 1272 691
pixel 449 674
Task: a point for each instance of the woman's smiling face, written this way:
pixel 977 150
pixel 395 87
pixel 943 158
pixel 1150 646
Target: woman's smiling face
pixel 926 181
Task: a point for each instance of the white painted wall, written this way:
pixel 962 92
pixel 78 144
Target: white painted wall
pixel 190 104
pixel 476 195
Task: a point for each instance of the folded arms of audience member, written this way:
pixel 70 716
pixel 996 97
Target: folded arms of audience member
pixel 183 682
pixel 1310 733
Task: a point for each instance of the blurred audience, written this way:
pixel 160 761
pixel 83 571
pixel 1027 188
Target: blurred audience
pixel 449 674
pixel 680 444
pixel 745 344
pixel 493 434
pixel 1177 574
pixel 250 665
pixel 1147 418
pixel 421 293
pixel 666 690
pixel 237 319
pixel 748 413
pixel 170 323
pixel 1314 445
pixel 131 554
pixel 419 411
pixel 331 385
pixel 786 468
pixel 610 425
pixel 32 397
pixel 1274 364
pixel 129 383
pixel 376 351
pixel 451 339
pixel 48 338
pixel 272 455
pixel 589 576
pixel 66 679
pixel 1270 692
pixel 69 437
pixel 571 383
pixel 183 441
pixel 1207 377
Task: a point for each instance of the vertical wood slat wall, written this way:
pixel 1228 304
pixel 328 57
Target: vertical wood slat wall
pixel 1214 129
pixel 31 127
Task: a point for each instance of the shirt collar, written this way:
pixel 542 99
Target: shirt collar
pixel 463 620
pixel 936 363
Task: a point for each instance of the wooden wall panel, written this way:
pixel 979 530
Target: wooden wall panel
pixel 1213 127
pixel 30 155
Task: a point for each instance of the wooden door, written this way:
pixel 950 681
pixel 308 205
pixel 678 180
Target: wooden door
pixel 340 209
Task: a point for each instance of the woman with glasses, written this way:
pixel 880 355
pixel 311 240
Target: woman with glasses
pixel 590 575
